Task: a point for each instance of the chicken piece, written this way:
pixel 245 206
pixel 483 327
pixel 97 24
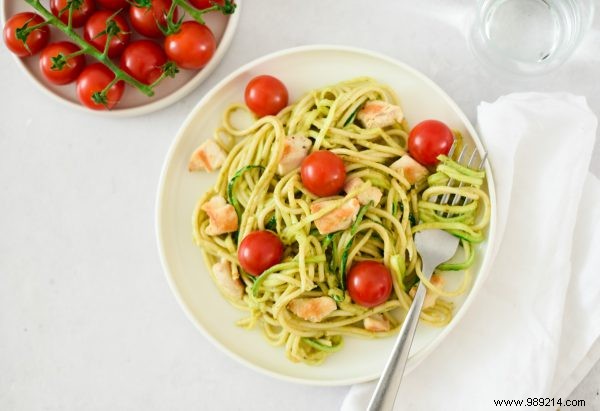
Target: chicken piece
pixel 430 297
pixel 231 287
pixel 379 114
pixel 209 156
pixel 377 323
pixel 223 218
pixel 338 219
pixel 294 151
pixel 371 194
pixel 412 170
pixel 312 309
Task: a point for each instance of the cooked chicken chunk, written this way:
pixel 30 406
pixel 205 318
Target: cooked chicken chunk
pixel 223 218
pixel 312 309
pixel 377 323
pixel 231 287
pixel 338 219
pixel 412 170
pixel 209 156
pixel 371 194
pixel 379 114
pixel 295 150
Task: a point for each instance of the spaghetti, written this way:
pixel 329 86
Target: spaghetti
pixel 314 264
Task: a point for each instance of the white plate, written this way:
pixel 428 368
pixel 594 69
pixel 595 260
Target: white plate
pixel 301 69
pixel 133 103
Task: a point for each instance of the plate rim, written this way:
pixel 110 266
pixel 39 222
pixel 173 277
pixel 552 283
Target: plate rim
pixel 187 88
pixel 488 256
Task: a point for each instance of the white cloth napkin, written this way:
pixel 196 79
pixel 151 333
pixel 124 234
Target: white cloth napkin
pixel 534 328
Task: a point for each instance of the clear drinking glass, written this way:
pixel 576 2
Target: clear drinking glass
pixel 529 36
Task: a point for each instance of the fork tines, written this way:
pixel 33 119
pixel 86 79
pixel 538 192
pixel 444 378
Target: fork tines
pixel 455 199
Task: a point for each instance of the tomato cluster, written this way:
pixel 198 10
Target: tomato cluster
pixel 136 41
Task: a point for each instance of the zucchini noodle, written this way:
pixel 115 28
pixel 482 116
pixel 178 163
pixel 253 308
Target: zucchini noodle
pixel 315 265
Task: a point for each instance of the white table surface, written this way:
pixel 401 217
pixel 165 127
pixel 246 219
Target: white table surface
pixel 87 321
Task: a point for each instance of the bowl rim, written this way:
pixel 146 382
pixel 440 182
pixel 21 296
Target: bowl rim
pixel 152 106
pixel 488 256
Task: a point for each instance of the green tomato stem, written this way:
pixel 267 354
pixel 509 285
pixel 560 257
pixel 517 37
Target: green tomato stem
pixel 195 13
pixel 101 97
pixel 108 87
pixel 74 54
pixel 106 46
pixel 25 30
pixel 170 13
pixel 70 19
pixel 88 49
pixel 169 69
pixel 37 26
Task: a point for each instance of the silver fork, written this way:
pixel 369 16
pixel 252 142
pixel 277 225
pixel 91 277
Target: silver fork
pixel 434 247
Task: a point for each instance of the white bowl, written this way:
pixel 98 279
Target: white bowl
pixel 301 69
pixel 133 103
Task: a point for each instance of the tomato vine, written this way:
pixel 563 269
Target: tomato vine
pixel 169 69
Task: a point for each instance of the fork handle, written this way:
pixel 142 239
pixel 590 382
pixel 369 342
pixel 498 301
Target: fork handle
pixel 385 393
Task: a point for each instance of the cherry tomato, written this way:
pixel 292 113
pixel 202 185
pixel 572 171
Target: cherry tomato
pixel 81 11
pixel 323 173
pixel 36 40
pixel 94 78
pixel 97 23
pixel 113 4
pixel 143 60
pixel 67 71
pixel 266 95
pixel 369 283
pixel 204 4
pixel 192 46
pixel 428 139
pixel 144 15
pixel 259 251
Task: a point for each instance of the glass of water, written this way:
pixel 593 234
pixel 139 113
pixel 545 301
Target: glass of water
pixel 529 36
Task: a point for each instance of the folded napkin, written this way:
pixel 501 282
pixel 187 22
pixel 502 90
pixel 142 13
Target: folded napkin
pixel 533 330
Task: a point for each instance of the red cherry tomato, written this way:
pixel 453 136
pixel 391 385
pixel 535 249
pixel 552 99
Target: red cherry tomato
pixel 259 251
pixel 266 95
pixel 113 4
pixel 80 14
pixel 144 15
pixel 323 173
pixel 98 23
pixel 143 60
pixel 67 72
pixel 192 46
pixel 369 283
pixel 204 4
pixel 36 40
pixel 428 139
pixel 94 78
